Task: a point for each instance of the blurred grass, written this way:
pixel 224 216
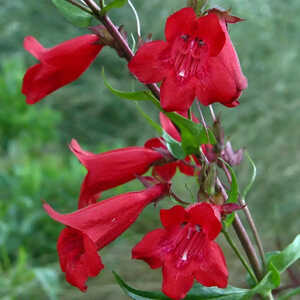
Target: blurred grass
pixel 35 163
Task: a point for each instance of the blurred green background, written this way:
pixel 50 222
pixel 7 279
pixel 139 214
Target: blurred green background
pixel 35 162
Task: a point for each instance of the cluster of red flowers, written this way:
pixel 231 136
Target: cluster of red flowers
pixel 196 60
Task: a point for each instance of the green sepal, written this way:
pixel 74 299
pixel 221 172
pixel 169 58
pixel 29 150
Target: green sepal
pixel 193 135
pixel 73 14
pixel 113 4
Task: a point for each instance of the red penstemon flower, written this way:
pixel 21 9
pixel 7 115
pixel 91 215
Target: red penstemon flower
pixel 58 66
pixel 185 249
pixel 91 228
pixel 197 59
pixel 110 169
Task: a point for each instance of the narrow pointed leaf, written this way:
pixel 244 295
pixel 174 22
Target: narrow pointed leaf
pixel 173 146
pixel 198 292
pixel 152 123
pixel 289 294
pixel 136 96
pixel 137 294
pixel 113 4
pixel 73 14
pixel 286 257
pixel 234 189
pixel 193 135
pixel 253 176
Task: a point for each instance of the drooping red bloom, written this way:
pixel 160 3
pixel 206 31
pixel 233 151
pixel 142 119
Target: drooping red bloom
pixel 91 228
pixel 197 59
pixel 185 249
pixel 167 171
pixel 110 169
pixel 58 66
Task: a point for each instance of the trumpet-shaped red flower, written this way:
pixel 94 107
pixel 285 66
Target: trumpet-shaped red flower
pixel 197 59
pixel 168 170
pixel 58 66
pixel 110 169
pixel 185 249
pixel 91 228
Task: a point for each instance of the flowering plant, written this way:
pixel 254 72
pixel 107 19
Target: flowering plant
pixel 196 60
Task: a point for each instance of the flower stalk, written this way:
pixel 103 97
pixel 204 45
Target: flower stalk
pixel 239 255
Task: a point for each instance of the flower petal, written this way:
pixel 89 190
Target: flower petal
pixel 75 52
pixel 155 143
pixel 166 172
pixel 78 257
pixel 177 94
pixel 176 281
pixel 149 250
pixel 169 127
pixel 149 64
pixel 34 47
pixel 173 216
pixel 59 65
pixel 222 79
pixel 179 23
pixel 212 268
pixel 110 169
pixel 104 221
pixel 185 168
pixel 210 30
pixel 207 216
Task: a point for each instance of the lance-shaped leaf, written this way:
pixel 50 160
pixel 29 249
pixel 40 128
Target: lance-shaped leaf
pixel 151 122
pixel 233 193
pixel 73 14
pixel 193 135
pixel 283 259
pixel 136 96
pixel 113 4
pixel 198 292
pixel 174 146
pixel 253 176
pixel 289 294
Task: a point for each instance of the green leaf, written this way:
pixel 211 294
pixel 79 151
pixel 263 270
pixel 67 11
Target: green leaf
pixel 152 123
pixel 174 147
pixel 192 134
pixel 113 4
pixel 73 14
pixel 234 189
pixel 249 185
pixel 286 257
pixel 136 96
pixel 289 294
pixel 198 292
pixel 270 281
pixel 48 278
pixel 136 294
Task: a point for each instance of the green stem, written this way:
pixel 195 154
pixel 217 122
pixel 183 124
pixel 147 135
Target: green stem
pixel 269 296
pixel 239 255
